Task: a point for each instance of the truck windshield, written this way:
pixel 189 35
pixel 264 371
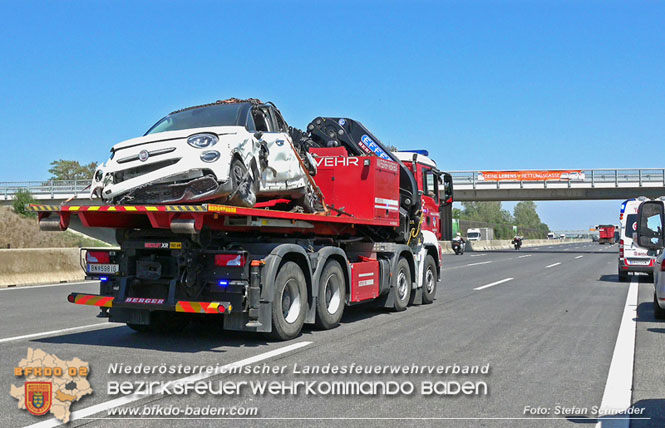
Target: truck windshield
pixel 200 117
pixel 473 235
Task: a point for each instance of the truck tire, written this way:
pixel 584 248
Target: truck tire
pixel 623 276
pixel 402 285
pixel 243 185
pixel 289 303
pixel 430 279
pixel 332 296
pixel 658 312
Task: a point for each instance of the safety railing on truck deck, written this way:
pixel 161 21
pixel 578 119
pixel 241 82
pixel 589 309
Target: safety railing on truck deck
pixel 590 177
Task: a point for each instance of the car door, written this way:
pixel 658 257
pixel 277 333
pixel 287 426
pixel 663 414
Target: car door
pixel 283 172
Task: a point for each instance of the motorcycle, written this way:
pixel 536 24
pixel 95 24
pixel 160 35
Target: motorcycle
pixel 459 247
pixel 517 243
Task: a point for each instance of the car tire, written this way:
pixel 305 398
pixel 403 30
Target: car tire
pixel 403 285
pixel 623 276
pixel 244 187
pixel 658 312
pixel 332 296
pixel 430 280
pixel 289 303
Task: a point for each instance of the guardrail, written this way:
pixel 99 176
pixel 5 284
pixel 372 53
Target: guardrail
pixel 45 189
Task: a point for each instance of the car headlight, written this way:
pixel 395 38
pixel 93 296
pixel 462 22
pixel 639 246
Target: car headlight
pixel 98 175
pixel 201 141
pixel 210 156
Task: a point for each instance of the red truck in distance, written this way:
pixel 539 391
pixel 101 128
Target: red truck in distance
pixel 606 234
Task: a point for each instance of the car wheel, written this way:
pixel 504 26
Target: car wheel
pixel 332 296
pixel 430 280
pixel 402 285
pixel 658 312
pixel 289 303
pixel 244 189
pixel 623 276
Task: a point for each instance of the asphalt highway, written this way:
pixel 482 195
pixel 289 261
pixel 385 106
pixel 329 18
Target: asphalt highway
pixel 554 325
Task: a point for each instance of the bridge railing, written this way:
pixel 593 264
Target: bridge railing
pixel 591 177
pixel 43 188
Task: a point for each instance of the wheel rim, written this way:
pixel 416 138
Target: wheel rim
pixel 429 280
pixel 332 294
pixel 291 301
pixel 402 286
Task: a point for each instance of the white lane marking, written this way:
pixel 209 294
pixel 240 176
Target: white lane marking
pixel 64 330
pixel 552 265
pixel 479 263
pixel 477 255
pixel 117 402
pixel 579 257
pixel 618 388
pixel 494 283
pixel 521 257
pixel 32 287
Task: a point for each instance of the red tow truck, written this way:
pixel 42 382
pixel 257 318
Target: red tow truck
pixel 268 270
pixel 606 234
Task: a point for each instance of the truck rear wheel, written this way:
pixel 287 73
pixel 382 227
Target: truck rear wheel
pixel 430 280
pixel 402 285
pixel 332 296
pixel 623 276
pixel 289 303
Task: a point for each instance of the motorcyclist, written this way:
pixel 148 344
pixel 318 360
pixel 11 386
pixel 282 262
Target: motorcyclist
pixel 460 243
pixel 517 241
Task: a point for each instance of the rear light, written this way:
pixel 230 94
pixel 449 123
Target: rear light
pixel 230 260
pixel 621 249
pixel 98 257
pixel 71 298
pixel 221 309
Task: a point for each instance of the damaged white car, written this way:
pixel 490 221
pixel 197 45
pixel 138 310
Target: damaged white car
pixel 232 151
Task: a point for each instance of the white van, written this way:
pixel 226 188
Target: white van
pixel 473 234
pixel 631 257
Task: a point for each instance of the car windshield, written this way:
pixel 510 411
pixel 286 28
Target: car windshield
pixel 200 117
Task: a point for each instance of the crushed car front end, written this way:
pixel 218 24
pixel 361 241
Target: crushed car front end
pixel 190 165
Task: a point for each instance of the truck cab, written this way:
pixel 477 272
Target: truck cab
pixel 436 188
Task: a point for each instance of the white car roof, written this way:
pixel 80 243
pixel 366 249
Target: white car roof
pixel 408 157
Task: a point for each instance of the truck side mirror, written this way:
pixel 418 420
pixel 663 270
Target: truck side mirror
pixel 649 232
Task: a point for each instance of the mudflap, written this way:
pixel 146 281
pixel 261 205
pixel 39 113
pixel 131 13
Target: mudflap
pixel 131 316
pixel 237 321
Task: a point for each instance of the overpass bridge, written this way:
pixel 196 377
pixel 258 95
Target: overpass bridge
pixel 468 186
pixel 591 184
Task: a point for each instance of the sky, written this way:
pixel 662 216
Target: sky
pixel 480 84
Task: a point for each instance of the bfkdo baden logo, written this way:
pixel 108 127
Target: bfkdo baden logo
pixel 51 384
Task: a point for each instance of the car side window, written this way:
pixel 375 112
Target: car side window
pixel 262 120
pixel 281 124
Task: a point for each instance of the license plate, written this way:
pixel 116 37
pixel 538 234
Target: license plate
pixel 103 268
pixel 639 262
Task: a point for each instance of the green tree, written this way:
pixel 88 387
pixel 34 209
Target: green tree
pixel 528 221
pixel 492 214
pixel 71 170
pixel 21 198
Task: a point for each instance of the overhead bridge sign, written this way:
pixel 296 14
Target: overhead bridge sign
pixel 555 175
